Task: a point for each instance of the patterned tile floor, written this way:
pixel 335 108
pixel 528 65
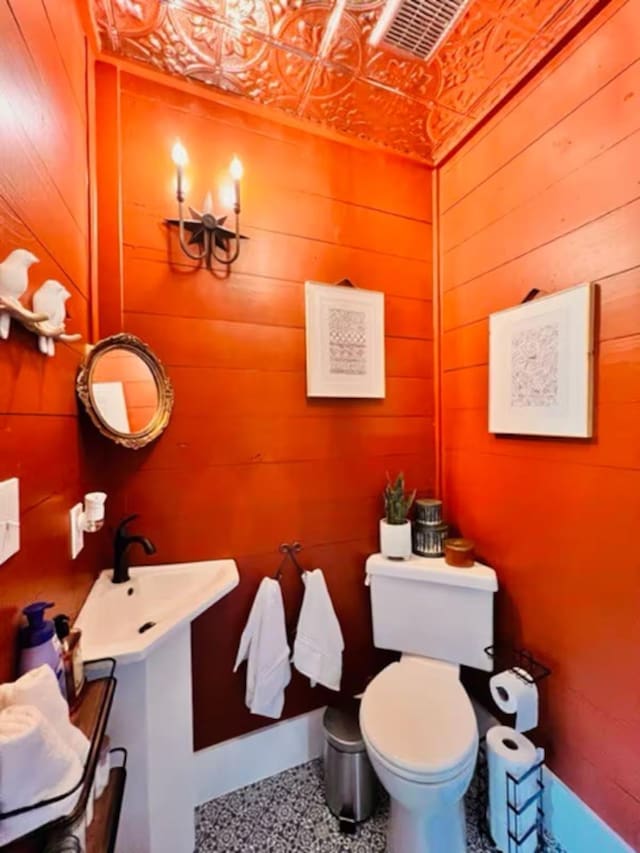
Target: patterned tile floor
pixel 287 814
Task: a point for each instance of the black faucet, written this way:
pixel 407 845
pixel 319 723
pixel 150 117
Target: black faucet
pixel 121 543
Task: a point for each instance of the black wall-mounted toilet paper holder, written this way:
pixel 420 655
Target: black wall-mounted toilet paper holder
pixel 521 661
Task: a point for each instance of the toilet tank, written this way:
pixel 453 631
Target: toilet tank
pixel 425 607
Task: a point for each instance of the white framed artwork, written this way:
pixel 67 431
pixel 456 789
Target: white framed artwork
pixel 345 341
pixel 541 366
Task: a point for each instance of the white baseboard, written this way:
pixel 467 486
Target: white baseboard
pixel 244 760
pixel 573 824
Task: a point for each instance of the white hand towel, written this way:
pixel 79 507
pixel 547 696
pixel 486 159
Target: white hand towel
pixel 39 687
pixel 264 645
pixel 318 647
pixel 35 764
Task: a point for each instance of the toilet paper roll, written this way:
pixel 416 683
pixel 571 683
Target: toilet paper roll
pixel 509 752
pixel 517 695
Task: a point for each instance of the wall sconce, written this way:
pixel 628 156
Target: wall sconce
pixel 87 519
pixel 207 231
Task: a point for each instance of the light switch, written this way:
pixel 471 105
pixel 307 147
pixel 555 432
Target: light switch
pixel 9 519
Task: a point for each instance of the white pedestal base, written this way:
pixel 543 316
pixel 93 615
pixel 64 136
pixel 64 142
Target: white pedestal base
pixel 443 831
pixel 152 718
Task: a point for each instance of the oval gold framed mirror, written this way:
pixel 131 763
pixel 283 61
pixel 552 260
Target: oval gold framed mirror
pixel 125 391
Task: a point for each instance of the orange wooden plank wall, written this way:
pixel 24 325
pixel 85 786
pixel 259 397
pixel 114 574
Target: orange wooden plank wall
pixel 44 208
pixel 247 462
pixel 546 196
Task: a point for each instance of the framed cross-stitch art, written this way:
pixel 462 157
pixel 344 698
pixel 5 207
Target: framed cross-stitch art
pixel 541 365
pixel 345 341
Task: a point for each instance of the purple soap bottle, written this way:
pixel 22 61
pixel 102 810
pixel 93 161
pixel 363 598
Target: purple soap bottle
pixel 39 643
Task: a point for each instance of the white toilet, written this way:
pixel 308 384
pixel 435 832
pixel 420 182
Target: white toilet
pixel 417 720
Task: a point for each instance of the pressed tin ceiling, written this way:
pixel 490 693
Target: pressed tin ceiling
pixel 286 54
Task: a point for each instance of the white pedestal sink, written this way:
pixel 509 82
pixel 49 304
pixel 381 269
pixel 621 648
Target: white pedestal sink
pixel 145 625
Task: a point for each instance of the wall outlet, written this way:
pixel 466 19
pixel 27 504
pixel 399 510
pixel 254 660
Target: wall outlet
pixel 9 518
pixel 76 530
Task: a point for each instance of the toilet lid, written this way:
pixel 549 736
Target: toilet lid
pixel 419 721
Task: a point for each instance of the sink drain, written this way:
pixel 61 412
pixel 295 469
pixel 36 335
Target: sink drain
pixel 145 627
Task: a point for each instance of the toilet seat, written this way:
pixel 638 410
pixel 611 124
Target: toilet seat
pixel 420 777
pixel 419 722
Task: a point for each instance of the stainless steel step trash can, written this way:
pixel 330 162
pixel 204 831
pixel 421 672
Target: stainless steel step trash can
pixel 349 779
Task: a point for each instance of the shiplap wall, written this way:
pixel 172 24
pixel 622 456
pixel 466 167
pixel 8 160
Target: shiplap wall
pixel 44 208
pixel 547 195
pixel 247 461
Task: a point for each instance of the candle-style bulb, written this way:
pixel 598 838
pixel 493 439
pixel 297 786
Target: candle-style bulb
pixel 179 154
pixel 235 169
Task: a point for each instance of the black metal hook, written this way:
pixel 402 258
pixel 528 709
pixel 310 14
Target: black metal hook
pixel 289 552
pixel 520 661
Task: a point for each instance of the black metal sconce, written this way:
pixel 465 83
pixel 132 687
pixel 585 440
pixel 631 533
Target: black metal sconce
pixel 207 231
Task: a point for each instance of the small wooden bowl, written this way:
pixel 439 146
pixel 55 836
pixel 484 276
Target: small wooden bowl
pixel 459 553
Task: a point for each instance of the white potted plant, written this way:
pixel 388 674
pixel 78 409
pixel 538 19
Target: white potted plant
pixel 395 527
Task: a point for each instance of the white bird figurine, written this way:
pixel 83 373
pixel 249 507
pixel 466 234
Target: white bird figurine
pixel 14 280
pixel 50 299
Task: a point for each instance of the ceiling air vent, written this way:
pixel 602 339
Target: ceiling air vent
pixel 416 26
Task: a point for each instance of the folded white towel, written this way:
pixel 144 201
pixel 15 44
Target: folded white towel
pixel 39 687
pixel 35 764
pixel 264 645
pixel 5 695
pixel 317 651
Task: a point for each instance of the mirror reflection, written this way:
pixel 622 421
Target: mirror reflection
pixel 124 390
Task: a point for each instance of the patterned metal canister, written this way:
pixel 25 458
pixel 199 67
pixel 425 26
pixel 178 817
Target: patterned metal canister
pixel 428 539
pixel 428 511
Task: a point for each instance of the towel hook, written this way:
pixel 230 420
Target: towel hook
pixel 289 552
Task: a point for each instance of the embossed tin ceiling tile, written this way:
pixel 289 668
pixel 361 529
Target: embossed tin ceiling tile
pixel 366 18
pixel 342 113
pixel 510 77
pixel 116 17
pixel 530 17
pixel 556 28
pixel 357 6
pixel 346 48
pixel 374 114
pixel 288 72
pixel 267 50
pixel 445 129
pixel 461 60
pixel 245 19
pixel 258 18
pixel 239 50
pixel 303 28
pixel 200 35
pixel 107 34
pixel 167 50
pixel 417 79
pixel 326 81
pixel 567 15
pixel 199 11
pixel 506 42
